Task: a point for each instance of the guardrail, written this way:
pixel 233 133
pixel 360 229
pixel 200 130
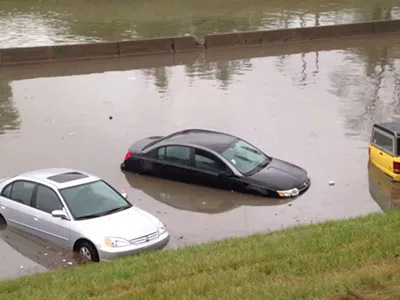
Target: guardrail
pixel 9 56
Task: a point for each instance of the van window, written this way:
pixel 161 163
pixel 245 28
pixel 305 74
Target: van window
pixel 383 141
pixel 398 147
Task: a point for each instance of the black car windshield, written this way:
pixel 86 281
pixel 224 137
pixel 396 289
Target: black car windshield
pixel 94 199
pixel 245 157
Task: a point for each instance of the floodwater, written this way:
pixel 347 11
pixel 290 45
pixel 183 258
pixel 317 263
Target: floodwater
pixel 310 104
pixel 43 22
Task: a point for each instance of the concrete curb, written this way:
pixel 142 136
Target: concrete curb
pixel 10 56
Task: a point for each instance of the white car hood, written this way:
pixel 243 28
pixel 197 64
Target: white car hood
pixel 128 224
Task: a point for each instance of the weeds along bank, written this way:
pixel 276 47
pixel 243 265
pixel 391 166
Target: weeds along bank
pixel 333 260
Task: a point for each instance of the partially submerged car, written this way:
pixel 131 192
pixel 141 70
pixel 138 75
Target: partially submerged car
pixel 215 159
pixel 384 148
pixel 76 210
pixel 384 190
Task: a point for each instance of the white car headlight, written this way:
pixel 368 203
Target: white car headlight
pixel 289 193
pixel 116 242
pixel 161 227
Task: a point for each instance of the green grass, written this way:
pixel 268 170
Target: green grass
pixel 350 259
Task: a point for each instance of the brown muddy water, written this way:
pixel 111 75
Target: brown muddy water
pixel 43 22
pixel 314 109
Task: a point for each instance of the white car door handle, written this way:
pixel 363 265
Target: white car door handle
pixel 3 206
pixel 36 218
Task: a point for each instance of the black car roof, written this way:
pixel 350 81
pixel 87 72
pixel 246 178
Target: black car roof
pixel 390 127
pixel 213 140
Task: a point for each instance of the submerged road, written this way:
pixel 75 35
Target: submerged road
pixel 13 264
pixel 314 109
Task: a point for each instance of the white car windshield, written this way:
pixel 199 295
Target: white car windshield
pixel 94 199
pixel 245 157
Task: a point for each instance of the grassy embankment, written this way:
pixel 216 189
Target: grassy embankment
pixel 351 259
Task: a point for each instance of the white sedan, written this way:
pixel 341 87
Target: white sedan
pixel 79 211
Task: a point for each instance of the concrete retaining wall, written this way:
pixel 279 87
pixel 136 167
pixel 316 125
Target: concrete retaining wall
pixel 145 46
pixel 11 56
pixel 300 34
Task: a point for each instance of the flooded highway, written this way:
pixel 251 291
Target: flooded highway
pixel 32 23
pixel 314 109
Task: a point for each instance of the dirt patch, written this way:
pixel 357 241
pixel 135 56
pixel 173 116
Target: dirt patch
pixel 356 297
pixel 364 295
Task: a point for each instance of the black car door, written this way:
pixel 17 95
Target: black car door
pixel 174 162
pixel 212 171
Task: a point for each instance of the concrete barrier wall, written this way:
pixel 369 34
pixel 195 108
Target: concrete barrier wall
pixel 145 46
pixel 11 56
pixel 57 52
pixel 300 34
pixel 83 67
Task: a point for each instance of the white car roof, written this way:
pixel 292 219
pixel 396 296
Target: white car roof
pixel 59 178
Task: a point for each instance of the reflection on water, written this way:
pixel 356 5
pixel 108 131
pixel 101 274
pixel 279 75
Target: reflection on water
pixel 195 198
pixel 383 189
pixel 377 80
pixel 31 22
pixel 9 118
pixel 221 72
pixel 31 28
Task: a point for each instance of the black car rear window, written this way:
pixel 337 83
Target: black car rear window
pixel 66 177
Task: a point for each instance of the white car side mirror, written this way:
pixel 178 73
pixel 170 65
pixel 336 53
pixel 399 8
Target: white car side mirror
pixel 59 214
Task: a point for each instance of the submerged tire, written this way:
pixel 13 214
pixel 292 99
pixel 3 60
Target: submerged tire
pixel 87 252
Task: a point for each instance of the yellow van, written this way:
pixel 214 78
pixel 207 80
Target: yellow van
pixel 383 189
pixel 384 148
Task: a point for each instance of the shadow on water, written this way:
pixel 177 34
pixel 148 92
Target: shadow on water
pixel 196 198
pixel 383 189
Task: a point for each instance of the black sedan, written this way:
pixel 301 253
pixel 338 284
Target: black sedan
pixel 215 159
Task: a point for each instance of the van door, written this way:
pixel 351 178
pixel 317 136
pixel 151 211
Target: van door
pixel 382 150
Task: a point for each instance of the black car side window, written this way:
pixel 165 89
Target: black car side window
pixel 161 153
pixel 176 154
pixel 6 192
pixel 47 200
pixel 208 161
pixel 22 192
